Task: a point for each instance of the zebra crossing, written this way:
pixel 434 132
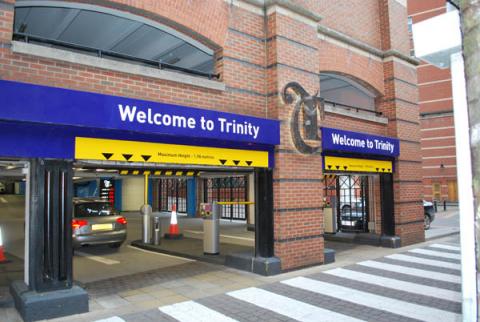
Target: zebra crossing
pixel 421 284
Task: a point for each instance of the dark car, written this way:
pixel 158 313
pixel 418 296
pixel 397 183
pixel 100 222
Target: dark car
pixel 95 222
pixel 429 213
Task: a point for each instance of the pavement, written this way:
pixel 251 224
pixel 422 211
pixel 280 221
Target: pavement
pixel 446 223
pixel 419 282
pixel 364 283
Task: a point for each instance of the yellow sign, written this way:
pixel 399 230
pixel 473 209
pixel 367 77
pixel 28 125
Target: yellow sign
pixel 133 151
pixel 356 165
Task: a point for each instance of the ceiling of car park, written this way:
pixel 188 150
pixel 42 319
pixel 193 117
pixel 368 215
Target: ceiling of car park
pixel 111 31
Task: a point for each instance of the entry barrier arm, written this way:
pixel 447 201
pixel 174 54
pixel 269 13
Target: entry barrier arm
pixel 235 203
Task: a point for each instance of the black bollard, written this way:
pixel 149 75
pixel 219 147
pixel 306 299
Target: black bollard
pixel 444 205
pixel 435 205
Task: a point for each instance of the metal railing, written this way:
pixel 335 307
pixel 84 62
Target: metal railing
pixel 100 53
pixel 351 107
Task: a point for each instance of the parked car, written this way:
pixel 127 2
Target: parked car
pixel 95 222
pixel 429 213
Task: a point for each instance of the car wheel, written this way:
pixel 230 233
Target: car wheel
pixel 115 245
pixel 427 222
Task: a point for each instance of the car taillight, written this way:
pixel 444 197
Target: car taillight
pixel 122 220
pixel 79 223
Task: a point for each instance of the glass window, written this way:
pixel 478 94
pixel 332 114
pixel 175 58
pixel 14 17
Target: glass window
pixel 110 33
pixel 337 89
pixel 94 209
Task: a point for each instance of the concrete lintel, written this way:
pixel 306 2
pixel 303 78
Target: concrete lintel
pixel 34 306
pixel 358 115
pixel 401 56
pixel 109 64
pixel 350 41
pixel 286 4
pixel 4 5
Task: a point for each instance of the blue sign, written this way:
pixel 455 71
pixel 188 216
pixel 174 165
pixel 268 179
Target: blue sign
pixel 347 141
pixel 42 104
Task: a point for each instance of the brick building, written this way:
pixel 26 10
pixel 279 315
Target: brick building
pixel 439 164
pixel 288 68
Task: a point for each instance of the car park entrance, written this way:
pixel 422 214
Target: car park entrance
pixel 130 186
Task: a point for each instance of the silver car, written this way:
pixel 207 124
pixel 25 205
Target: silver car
pixel 95 222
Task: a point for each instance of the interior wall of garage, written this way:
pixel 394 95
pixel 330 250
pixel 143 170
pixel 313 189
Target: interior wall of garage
pixel 132 193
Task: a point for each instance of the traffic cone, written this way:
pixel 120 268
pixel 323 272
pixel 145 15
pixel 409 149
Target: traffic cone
pixel 3 259
pixel 173 231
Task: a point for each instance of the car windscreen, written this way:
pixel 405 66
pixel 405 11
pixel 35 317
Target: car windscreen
pixel 94 209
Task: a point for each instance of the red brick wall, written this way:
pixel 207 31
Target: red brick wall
pixel 256 58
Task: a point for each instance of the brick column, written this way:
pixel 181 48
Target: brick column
pixel 400 106
pixel 292 56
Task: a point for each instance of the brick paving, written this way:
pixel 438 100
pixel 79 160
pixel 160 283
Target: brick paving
pixel 193 285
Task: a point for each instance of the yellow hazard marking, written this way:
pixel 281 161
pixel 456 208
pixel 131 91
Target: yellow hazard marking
pixel 146 173
pixel 133 151
pixel 179 173
pixel 124 172
pixel 357 165
pixel 135 172
pixel 235 203
pixel 190 173
pixel 168 173
pixel 157 173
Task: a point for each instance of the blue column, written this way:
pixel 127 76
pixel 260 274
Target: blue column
pixel 150 192
pixel 191 197
pixel 118 194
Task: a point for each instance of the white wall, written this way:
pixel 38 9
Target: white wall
pixel 132 193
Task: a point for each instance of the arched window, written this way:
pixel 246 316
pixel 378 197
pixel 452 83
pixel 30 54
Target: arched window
pixel 111 33
pixel 342 90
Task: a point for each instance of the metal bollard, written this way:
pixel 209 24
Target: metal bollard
pixel 444 205
pixel 156 230
pixel 146 211
pixel 435 205
pixel 211 230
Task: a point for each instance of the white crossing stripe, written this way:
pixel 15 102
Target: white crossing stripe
pixel 403 308
pixel 3 200
pixel 413 271
pixel 435 253
pixel 397 284
pixel 112 319
pixel 99 259
pixel 190 311
pixel 289 307
pixel 449 247
pixel 424 261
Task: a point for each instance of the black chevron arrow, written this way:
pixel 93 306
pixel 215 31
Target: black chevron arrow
pixel 248 162
pixel 337 166
pixel 107 155
pixel 127 156
pixel 236 162
pixel 345 167
pixel 329 166
pixel 146 157
pixel 378 169
pixel 383 169
pixel 223 161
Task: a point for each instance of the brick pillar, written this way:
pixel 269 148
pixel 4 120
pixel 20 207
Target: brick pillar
pixel 400 106
pixel 6 21
pixel 298 183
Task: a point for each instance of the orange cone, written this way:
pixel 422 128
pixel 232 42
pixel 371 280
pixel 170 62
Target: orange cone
pixel 3 259
pixel 173 231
